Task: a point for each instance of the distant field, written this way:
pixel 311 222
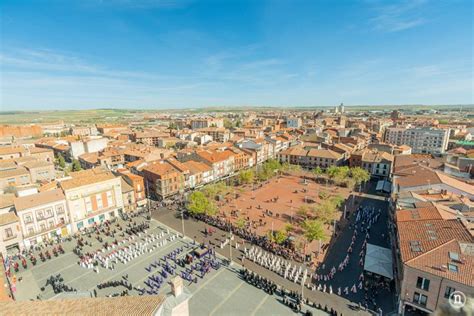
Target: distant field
pixel 118 115
pixel 83 116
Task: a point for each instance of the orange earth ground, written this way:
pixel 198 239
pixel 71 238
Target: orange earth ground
pixel 283 196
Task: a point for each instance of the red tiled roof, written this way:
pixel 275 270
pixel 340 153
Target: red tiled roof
pixel 428 234
pixel 437 261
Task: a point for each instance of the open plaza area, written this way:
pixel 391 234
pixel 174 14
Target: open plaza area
pixel 220 291
pixel 275 203
pixel 282 204
pixel 345 255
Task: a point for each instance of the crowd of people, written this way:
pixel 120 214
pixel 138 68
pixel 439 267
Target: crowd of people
pixel 293 272
pixel 192 269
pixel 285 250
pixel 58 285
pixel 292 299
pixel 138 243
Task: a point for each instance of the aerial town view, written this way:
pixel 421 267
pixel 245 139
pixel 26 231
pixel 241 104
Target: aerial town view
pixel 266 158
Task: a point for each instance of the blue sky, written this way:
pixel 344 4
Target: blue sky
pixel 168 54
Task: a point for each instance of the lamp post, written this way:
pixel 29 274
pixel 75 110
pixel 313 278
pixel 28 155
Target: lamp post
pixel 230 247
pixel 182 222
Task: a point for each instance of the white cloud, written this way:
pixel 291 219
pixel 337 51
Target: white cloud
pixel 400 16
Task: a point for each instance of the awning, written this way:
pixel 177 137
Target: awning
pixel 384 185
pixel 378 260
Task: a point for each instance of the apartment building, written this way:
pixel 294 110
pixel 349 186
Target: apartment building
pixel 163 179
pixel 218 134
pixel 150 138
pixel 221 160
pixel 310 158
pixel 109 158
pixel 43 216
pixel 436 258
pixel 200 173
pixel 423 178
pixel 262 150
pixel 92 196
pixel 128 196
pixel 10 233
pixel 43 154
pixel 422 140
pixel 378 164
pixel 12 152
pixel 83 130
pixel 14 177
pixel 293 122
pixel 137 183
pixel 207 122
pixel 87 145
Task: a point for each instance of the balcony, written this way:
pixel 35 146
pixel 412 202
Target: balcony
pixel 7 238
pixel 46 230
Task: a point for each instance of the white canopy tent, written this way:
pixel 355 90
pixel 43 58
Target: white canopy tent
pixel 378 260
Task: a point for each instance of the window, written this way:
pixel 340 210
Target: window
pixel 100 205
pixel 59 209
pixel 454 256
pixel 109 198
pixel 420 299
pixel 49 212
pixel 28 219
pixel 448 291
pixel 39 215
pixel 415 246
pixel 88 204
pixel 453 267
pixel 423 284
pixel 8 232
pixel 11 181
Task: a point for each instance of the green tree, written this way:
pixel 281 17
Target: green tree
pixel 198 203
pixel 303 211
pixel 228 123
pixel 337 201
pixel 338 174
pixel 76 166
pixel 280 237
pixel 61 162
pixel 313 230
pixel 359 175
pixel 172 126
pixel 318 172
pixel 325 211
pixel 246 176
pixel 289 228
pixel 272 164
pixel 240 222
pixel 277 236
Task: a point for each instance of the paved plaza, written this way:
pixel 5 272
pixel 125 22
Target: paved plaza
pixel 220 292
pixel 382 297
pixel 282 196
